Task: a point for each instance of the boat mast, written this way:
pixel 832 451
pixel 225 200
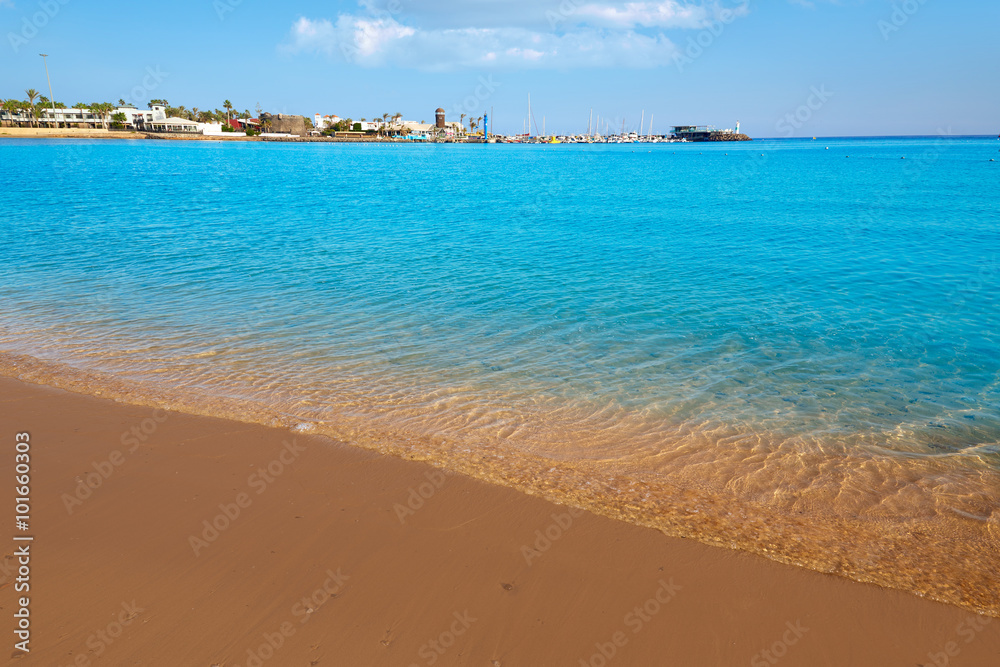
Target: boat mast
pixel 590 123
pixel 642 121
pixel 529 114
pixel 649 130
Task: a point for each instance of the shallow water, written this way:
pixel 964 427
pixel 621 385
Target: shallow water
pixel 770 346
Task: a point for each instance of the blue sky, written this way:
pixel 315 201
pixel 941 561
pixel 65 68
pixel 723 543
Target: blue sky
pixel 781 67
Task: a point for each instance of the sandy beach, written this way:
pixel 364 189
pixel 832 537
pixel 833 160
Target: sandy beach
pixel 85 133
pixel 168 539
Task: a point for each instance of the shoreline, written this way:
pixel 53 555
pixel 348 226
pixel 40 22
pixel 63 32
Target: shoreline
pixel 918 556
pixel 76 133
pixel 326 552
pixel 72 133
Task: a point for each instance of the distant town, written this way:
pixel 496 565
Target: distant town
pixel 160 119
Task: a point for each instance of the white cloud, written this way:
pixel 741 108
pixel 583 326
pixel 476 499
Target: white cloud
pixel 382 40
pixel 644 14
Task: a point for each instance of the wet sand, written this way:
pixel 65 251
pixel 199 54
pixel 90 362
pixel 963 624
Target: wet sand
pixel 326 554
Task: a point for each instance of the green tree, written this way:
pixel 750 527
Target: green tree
pixel 105 109
pixel 101 110
pixel 228 106
pixel 12 107
pixel 32 96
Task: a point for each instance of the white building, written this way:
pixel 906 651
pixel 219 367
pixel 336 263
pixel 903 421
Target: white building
pixel 323 122
pixel 418 130
pixel 69 117
pixel 139 118
pixel 172 124
pixel 211 129
pixel 20 118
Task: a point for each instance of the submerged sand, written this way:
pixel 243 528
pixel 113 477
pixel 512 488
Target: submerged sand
pixel 168 539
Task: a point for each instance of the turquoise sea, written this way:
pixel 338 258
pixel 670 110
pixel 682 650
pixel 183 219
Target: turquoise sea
pixel 769 346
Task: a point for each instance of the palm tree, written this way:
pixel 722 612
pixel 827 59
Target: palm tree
pixel 479 121
pixel 194 113
pixel 10 106
pixel 32 96
pixel 104 109
pixel 228 107
pixel 121 103
pixel 461 120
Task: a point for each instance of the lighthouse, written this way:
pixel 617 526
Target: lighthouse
pixel 737 127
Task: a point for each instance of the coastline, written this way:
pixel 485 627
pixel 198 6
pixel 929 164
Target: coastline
pixel 76 133
pixel 415 559
pixel 941 561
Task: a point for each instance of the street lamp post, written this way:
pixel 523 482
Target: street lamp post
pixel 52 100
